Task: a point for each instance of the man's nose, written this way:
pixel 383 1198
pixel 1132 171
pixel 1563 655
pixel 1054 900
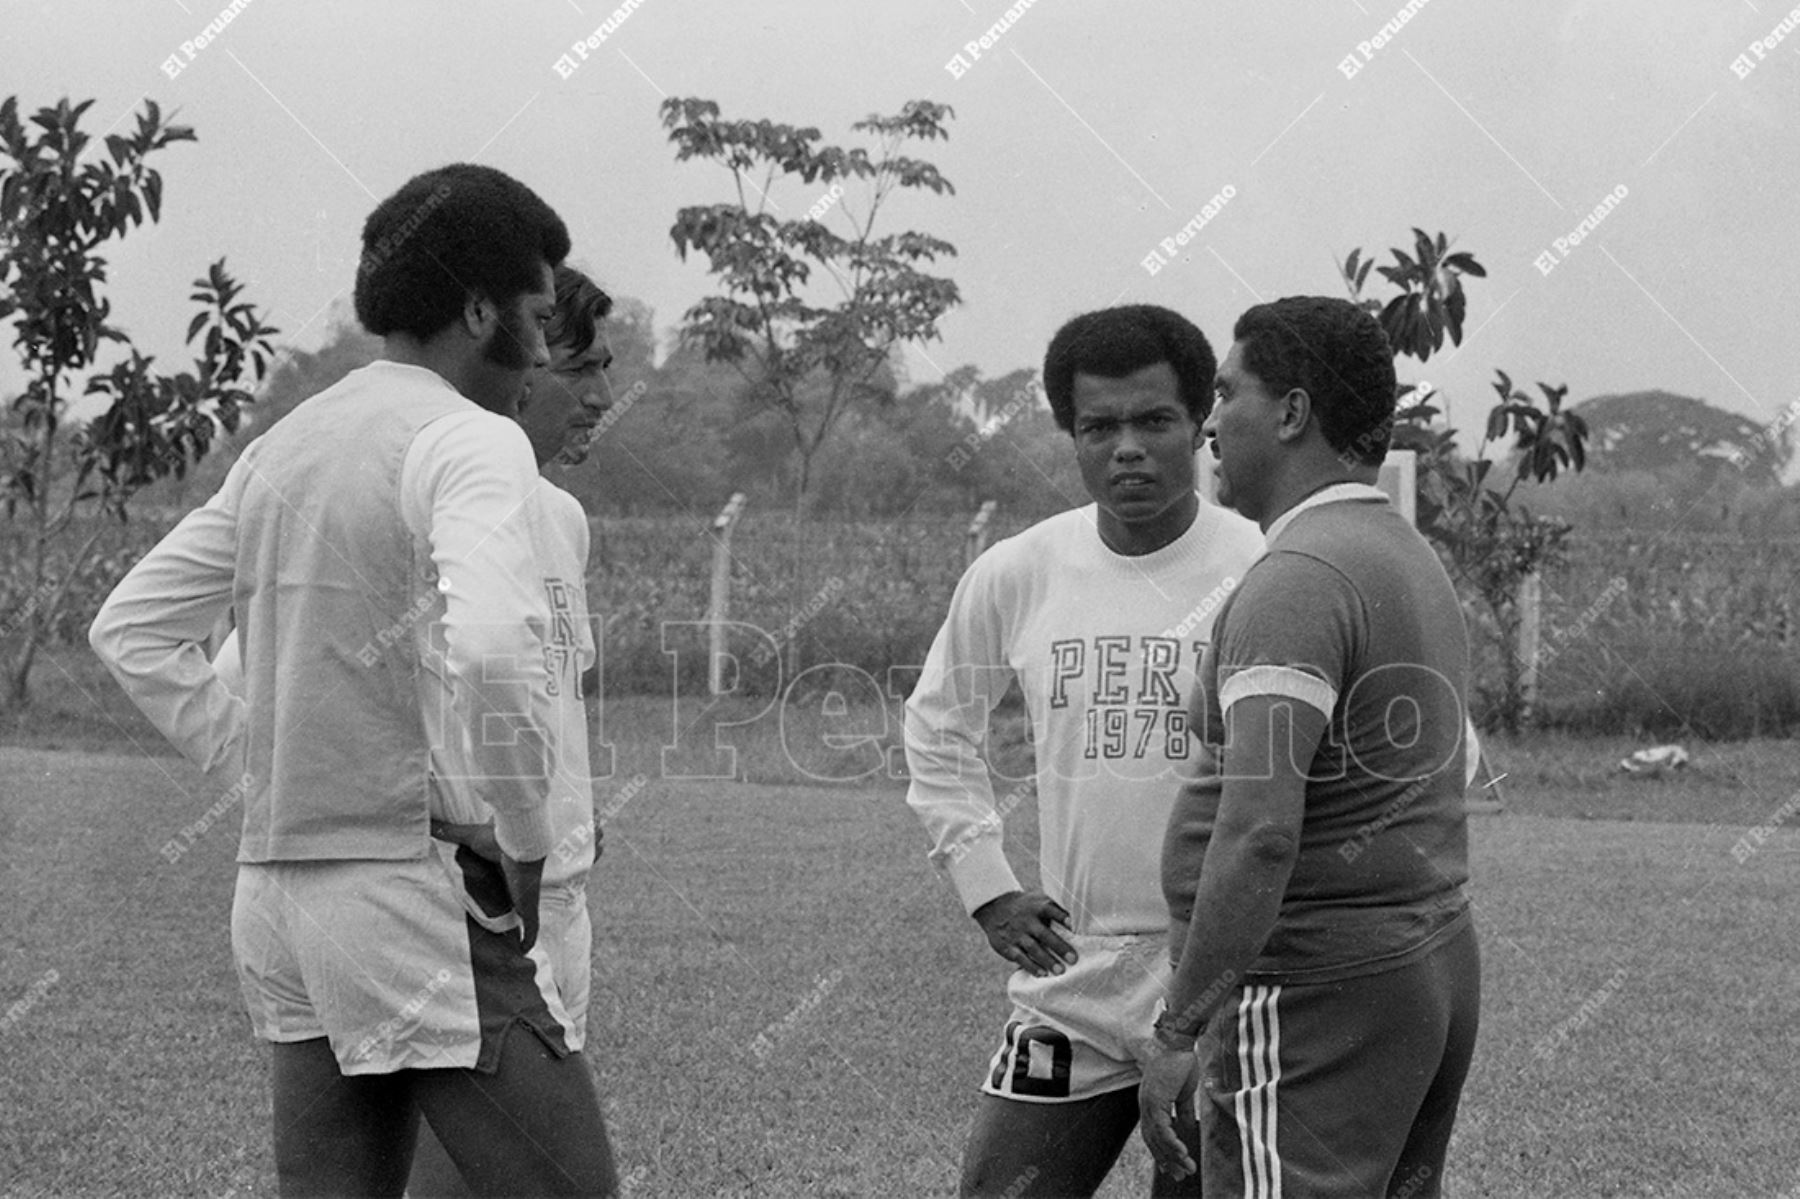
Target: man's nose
pixel 1130 446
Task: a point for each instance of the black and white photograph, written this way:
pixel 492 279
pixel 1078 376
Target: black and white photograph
pixel 1004 598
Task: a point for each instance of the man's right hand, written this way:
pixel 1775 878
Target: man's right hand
pixel 1020 925
pixel 524 882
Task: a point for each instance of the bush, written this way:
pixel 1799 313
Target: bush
pixel 1699 637
pixel 1668 692
pixel 121 544
pixel 871 596
pixel 1668 635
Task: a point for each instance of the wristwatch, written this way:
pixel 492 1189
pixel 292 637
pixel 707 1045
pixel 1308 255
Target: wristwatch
pixel 1171 1038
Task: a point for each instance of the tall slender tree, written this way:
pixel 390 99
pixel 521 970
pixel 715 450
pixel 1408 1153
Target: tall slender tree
pixel 811 347
pixel 811 307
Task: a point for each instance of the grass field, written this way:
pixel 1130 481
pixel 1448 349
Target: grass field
pixel 789 1002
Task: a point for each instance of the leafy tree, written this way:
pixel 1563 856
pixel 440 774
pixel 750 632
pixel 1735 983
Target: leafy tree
pixel 943 448
pixel 1659 431
pixel 1017 455
pixel 768 320
pixel 303 374
pixel 630 331
pixel 300 375
pixel 1623 501
pixel 1430 304
pixel 883 466
pixel 663 446
pixel 1491 542
pixel 58 208
pixel 804 358
pixel 902 458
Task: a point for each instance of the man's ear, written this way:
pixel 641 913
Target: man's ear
pixel 1296 414
pixel 478 316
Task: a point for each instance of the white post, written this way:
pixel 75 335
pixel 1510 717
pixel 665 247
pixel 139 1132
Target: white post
pixel 1400 479
pixel 975 540
pixel 720 606
pixel 1531 616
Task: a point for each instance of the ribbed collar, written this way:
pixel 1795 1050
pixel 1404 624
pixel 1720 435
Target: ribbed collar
pixel 1334 494
pixel 1185 549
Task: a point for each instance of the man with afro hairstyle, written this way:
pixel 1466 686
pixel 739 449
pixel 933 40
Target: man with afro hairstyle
pixel 1099 614
pixel 372 549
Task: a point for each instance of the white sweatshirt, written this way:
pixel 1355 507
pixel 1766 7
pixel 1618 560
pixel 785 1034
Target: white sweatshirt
pixel 1104 647
pixel 463 480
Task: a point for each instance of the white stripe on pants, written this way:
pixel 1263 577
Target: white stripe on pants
pixel 1259 1073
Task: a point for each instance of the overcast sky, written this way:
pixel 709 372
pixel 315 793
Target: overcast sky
pixel 1083 136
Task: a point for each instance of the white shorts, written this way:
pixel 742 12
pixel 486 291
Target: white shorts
pixel 403 965
pixel 1070 1036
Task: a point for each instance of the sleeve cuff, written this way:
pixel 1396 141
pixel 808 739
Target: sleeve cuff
pixel 1286 682
pixel 981 873
pixel 525 836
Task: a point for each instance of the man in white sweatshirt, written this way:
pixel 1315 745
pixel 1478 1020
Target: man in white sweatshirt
pixel 367 546
pixel 1100 614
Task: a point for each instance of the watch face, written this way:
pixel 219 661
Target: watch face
pixel 1168 1036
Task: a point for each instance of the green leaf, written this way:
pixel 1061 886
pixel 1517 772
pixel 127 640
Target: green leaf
pixel 1465 262
pixel 1422 245
pixel 1496 422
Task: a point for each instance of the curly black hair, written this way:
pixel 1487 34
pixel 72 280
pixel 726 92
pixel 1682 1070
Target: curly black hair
pixel 449 233
pixel 1335 352
pixel 1115 342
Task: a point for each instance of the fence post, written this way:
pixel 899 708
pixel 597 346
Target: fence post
pixel 1400 479
pixel 975 540
pixel 720 605
pixel 1531 617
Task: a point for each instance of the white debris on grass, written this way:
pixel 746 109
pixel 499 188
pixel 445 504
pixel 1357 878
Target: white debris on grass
pixel 1655 761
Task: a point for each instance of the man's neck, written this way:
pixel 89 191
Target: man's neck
pixel 438 356
pixel 1291 494
pixel 1136 540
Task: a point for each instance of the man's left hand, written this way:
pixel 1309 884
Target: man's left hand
pixel 1166 1104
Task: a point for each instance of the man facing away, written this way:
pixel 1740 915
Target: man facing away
pixel 1315 884
pixel 1100 614
pixel 366 545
